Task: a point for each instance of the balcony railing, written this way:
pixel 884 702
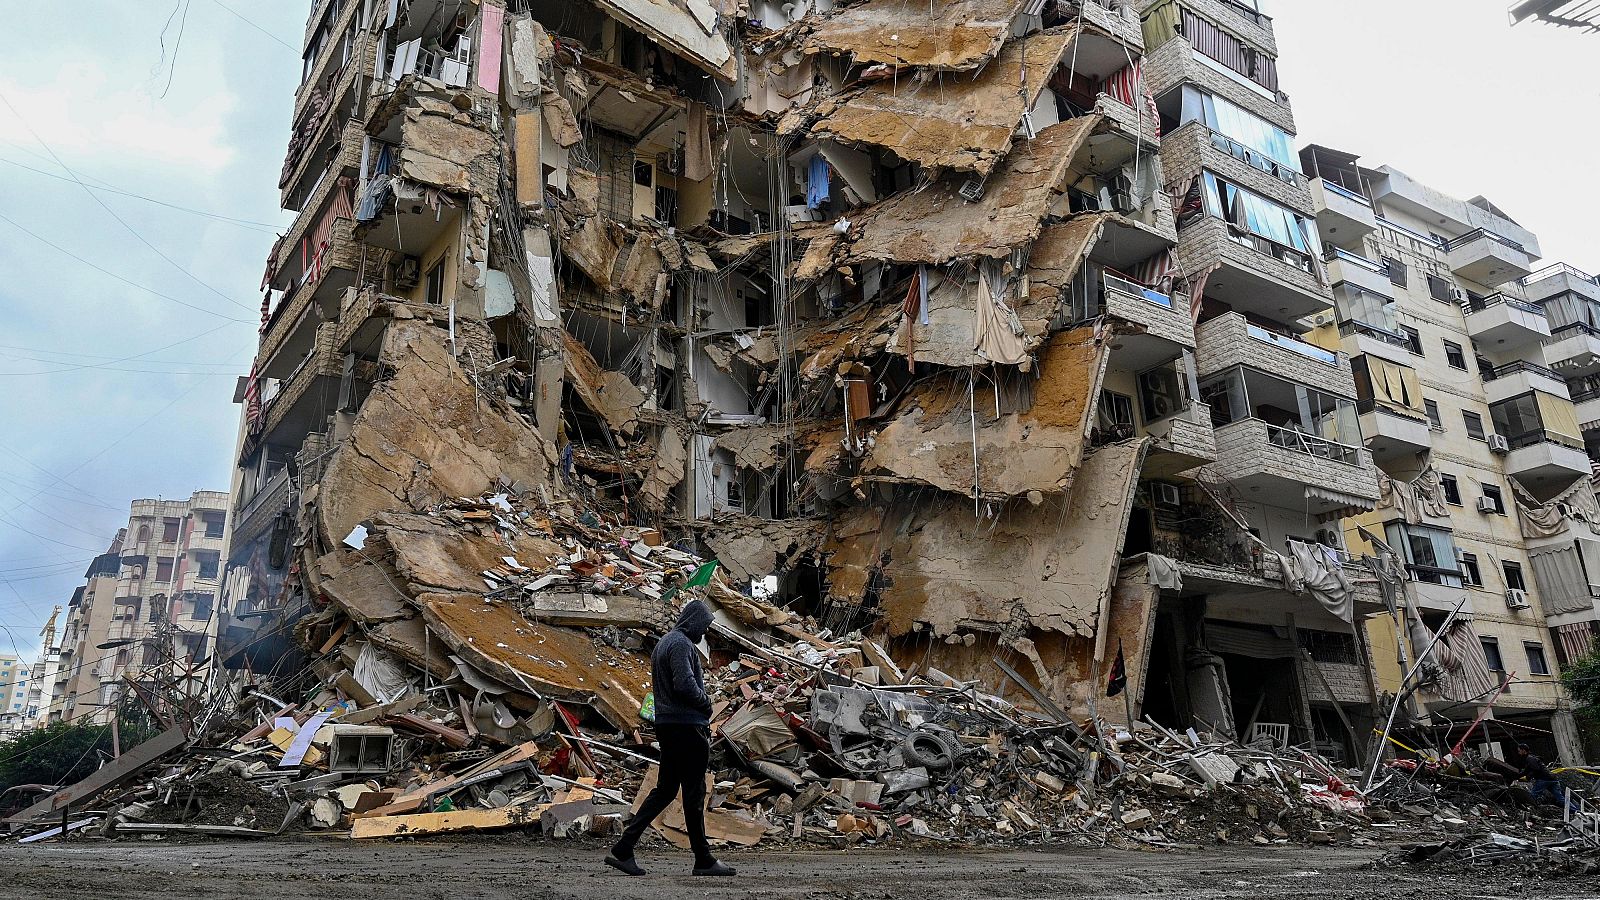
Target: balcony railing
pixel 1586 395
pixel 1476 303
pixel 1310 351
pixel 1355 326
pixel 1341 190
pixel 1412 233
pixel 1253 158
pixel 1560 268
pixel 1312 445
pixel 1478 233
pixel 1512 368
pixel 1541 436
pixel 1128 286
pixel 1332 253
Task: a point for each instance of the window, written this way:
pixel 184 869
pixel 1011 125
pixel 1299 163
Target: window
pixel 1491 652
pixel 1433 414
pixel 1492 492
pixel 1474 423
pixel 1430 552
pixel 644 172
pixel 1452 491
pixel 1537 664
pixel 1222 46
pixel 1470 573
pixel 1439 289
pixel 207 564
pixel 214 524
pixel 1116 416
pixel 1240 125
pixel 1259 222
pixel 164 569
pixel 1514 580
pixel 1454 356
pixel 1413 339
pixel 200 606
pixel 169 531
pixel 1396 270
pixel 434 292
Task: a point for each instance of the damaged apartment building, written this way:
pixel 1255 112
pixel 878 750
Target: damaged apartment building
pixel 976 325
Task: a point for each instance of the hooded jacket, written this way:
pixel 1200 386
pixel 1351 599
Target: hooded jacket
pixel 679 685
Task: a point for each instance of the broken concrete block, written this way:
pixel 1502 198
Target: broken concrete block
pixel 905 780
pixel 856 791
pixel 1167 783
pixel 1213 768
pixel 1136 816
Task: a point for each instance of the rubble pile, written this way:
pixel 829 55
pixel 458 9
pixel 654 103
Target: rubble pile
pixel 1567 854
pixel 499 679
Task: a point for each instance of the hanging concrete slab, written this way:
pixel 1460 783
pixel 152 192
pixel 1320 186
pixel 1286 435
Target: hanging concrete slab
pixel 680 25
pixel 950 121
pixel 959 34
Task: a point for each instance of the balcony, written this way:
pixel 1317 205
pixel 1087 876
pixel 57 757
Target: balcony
pixel 1573 350
pixel 1438 596
pixel 1485 257
pixel 1292 469
pixel 1390 435
pixel 1586 407
pixel 1356 270
pixel 1542 456
pixel 1202 147
pixel 1500 322
pixel 1182 442
pixel 1561 278
pixel 1517 378
pixel 1161 316
pixel 1228 340
pixel 1342 214
pixel 306 397
pixel 1176 62
pixel 1253 275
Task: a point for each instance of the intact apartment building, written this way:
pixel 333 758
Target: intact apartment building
pixel 148 607
pixel 14 680
pixel 1463 355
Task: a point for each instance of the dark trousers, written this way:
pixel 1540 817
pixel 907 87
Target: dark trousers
pixel 1542 786
pixel 685 756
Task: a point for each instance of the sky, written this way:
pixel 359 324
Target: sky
pixel 117 367
pixel 120 344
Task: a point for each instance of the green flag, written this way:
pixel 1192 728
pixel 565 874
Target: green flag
pixel 702 575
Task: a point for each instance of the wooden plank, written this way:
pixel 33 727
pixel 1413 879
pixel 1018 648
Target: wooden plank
pixel 446 822
pixel 412 800
pixel 373 713
pixel 107 775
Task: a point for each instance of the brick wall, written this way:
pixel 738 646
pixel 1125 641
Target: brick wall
pixel 1172 64
pixel 1189 149
pixel 1224 342
pixel 1206 241
pixel 1348 683
pixel 1243 451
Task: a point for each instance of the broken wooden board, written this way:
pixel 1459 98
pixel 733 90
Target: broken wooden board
pixel 720 825
pixel 446 822
pixel 107 775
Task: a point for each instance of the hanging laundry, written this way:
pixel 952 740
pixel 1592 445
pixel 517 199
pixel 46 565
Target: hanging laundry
pixel 818 173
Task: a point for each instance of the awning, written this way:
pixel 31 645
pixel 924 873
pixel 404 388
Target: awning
pixel 1346 504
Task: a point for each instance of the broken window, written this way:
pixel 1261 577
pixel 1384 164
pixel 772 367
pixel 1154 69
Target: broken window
pixel 214 522
pixel 1439 289
pixel 1432 409
pixel 1454 355
pixel 169 531
pixel 1470 573
pixel 1492 494
pixel 1452 491
pixel 1474 423
pixel 1430 552
pixel 1263 224
pixel 1513 573
pixel 1115 417
pixel 207 563
pixel 200 606
pixel 1396 270
pixel 434 292
pixel 1413 339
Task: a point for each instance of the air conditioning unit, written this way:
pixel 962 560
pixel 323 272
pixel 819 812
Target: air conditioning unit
pixel 1516 598
pixel 407 273
pixel 1498 444
pixel 1487 505
pixel 1165 495
pixel 971 190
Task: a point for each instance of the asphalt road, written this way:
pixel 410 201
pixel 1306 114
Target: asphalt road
pixel 524 868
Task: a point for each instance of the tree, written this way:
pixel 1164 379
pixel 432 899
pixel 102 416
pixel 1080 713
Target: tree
pixel 1582 680
pixel 67 752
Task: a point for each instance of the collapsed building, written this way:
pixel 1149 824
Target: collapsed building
pixel 972 330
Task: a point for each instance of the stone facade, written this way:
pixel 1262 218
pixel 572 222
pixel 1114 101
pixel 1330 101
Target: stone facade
pixel 1189 149
pixel 1225 342
pixel 1174 63
pixel 1243 451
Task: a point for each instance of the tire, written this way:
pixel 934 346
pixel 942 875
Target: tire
pixel 932 750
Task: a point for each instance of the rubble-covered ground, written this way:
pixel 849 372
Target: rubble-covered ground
pixel 533 870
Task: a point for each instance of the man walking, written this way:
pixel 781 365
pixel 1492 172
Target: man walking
pixel 1544 782
pixel 683 729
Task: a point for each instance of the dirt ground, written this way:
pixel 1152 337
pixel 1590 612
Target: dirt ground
pixel 507 867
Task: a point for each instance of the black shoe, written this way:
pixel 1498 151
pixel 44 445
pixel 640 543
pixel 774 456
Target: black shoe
pixel 714 868
pixel 625 866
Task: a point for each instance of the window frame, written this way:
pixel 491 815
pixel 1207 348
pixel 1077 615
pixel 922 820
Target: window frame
pixel 1537 659
pixel 1451 489
pixel 1471 574
pixel 1467 419
pixel 1454 351
pixel 1508 567
pixel 1430 408
pixel 1493 492
pixel 1438 285
pixel 1492 644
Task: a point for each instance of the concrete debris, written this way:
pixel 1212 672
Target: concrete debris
pixel 957 35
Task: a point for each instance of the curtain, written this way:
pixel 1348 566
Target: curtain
pixel 1562 584
pixel 1576 640
pixel 1160 25
pixel 1466 670
pixel 1395 387
pixel 1250 130
pixel 1558 416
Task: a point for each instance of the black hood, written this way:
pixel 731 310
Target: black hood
pixel 694 620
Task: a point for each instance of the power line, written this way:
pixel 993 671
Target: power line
pixel 113 213
pixel 60 249
pixel 291 47
pixel 251 224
